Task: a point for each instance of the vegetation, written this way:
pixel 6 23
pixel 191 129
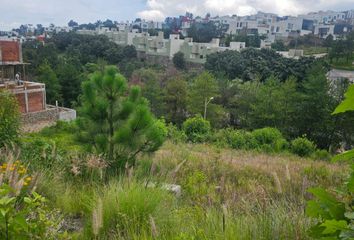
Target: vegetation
pixel 196 129
pixel 252 63
pixel 232 151
pixel 117 125
pixel 335 213
pixel 178 60
pixel 10 118
pixel 67 58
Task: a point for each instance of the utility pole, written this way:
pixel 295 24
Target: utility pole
pixel 206 102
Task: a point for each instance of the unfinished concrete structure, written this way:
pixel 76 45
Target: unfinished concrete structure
pixel 31 96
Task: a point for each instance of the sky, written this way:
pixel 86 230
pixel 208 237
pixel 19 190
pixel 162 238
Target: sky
pixel 60 12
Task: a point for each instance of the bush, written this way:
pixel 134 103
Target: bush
pixel 235 139
pixel 269 139
pixel 9 118
pixel 197 129
pixel 321 155
pixel 303 147
pixel 24 213
pixel 175 135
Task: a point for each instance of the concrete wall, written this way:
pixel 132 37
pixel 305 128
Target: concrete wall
pixel 48 115
pixel 51 114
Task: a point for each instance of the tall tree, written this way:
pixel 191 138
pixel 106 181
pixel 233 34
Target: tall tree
pixel 69 75
pixel 151 89
pixel 204 89
pixel 317 105
pixel 176 100
pixel 178 60
pixel 117 121
pixel 47 76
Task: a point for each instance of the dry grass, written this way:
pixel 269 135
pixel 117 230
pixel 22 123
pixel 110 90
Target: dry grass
pixel 240 176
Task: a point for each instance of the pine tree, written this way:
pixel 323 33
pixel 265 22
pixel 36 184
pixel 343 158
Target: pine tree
pixel 47 76
pixel 116 120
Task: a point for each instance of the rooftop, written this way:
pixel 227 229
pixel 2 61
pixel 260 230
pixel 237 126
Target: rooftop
pixel 20 87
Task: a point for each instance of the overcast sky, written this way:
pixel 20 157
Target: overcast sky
pixel 16 12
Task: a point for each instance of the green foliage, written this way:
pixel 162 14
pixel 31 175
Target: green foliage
pixel 347 104
pixel 345 107
pixel 303 147
pixel 116 122
pixel 69 74
pixel 322 155
pixel 178 60
pixel 250 63
pixel 335 213
pixel 197 129
pixel 151 89
pixel 23 213
pixel 279 45
pixel 347 156
pixel 10 118
pixel 47 76
pixel 175 134
pixel 22 218
pixel 269 138
pixel 176 99
pixel 204 32
pixel 253 40
pixel 196 186
pixel 127 210
pixel 66 54
pixel 318 124
pixel 203 90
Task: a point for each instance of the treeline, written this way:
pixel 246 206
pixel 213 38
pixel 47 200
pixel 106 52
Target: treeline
pixel 296 107
pixel 248 90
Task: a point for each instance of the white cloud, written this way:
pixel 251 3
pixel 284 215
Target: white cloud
pixel 155 15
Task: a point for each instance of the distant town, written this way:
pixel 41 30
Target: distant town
pixel 197 37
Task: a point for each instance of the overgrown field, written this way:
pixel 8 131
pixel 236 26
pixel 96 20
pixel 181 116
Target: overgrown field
pixel 225 193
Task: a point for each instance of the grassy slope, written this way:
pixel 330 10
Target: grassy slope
pixel 226 194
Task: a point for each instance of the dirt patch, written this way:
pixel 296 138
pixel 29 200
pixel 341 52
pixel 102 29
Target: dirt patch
pixel 36 127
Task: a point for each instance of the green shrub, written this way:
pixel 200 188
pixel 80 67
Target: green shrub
pixel 41 153
pixel 9 118
pixel 303 147
pixel 321 155
pixel 333 211
pixel 267 135
pixel 175 135
pixel 236 139
pixel 265 139
pixel 197 129
pixel 269 139
pixel 230 138
pixel 25 217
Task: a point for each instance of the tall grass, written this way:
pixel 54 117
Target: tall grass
pixel 226 194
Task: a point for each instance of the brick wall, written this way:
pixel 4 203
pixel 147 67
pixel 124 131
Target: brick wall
pixel 10 51
pixel 35 101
